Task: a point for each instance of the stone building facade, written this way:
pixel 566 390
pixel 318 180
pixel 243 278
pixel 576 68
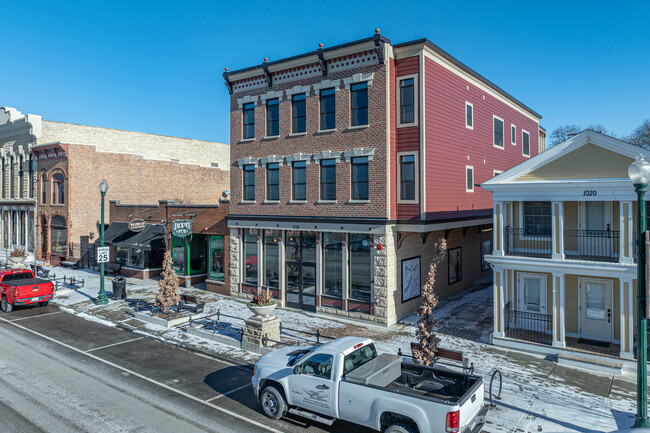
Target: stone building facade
pixel 51 172
pixel 348 163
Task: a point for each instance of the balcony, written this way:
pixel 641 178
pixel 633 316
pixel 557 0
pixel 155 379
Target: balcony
pixel 590 245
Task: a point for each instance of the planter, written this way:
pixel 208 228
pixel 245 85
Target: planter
pixel 17 260
pixel 262 310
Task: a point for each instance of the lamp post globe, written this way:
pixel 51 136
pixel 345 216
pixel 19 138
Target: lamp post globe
pixel 639 173
pixel 101 297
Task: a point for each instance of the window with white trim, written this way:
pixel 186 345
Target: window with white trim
pixel 249 120
pixel 408 100
pixel 328 109
pixel 525 143
pixel 513 135
pixel 299 113
pixel 359 104
pixel 497 126
pixel 360 178
pixel 407 173
pixel 273 181
pixel 249 182
pixel 299 176
pixel 469 115
pixel 469 178
pixel 328 179
pixel 537 218
pixel 496 172
pixel 272 117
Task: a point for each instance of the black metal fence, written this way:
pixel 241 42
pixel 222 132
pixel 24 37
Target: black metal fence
pixel 593 245
pixel 517 243
pixel 215 324
pixel 524 325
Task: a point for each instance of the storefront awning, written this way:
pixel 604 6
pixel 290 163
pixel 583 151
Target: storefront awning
pixel 151 238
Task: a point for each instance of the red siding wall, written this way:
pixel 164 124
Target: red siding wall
pixel 449 143
pixel 407 138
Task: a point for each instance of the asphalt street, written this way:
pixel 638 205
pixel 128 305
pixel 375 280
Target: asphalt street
pixel 61 373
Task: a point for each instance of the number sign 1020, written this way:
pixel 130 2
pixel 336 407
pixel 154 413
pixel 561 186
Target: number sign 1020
pixel 589 193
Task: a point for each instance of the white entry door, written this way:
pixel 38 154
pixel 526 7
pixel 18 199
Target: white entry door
pixel 531 295
pixel 596 313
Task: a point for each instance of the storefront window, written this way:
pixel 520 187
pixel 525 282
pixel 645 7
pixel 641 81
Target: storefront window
pixel 360 267
pixel 121 255
pixel 333 264
pixel 178 254
pixel 216 257
pixel 59 235
pixel 137 258
pixel 250 254
pixel 272 258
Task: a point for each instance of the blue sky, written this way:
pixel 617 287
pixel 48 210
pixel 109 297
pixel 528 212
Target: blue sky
pixel 155 66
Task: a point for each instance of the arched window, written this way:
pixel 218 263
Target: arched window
pixel 59 235
pixel 58 189
pixel 43 188
pixel 31 177
pixel 12 180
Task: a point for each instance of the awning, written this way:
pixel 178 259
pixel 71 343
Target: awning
pixel 151 238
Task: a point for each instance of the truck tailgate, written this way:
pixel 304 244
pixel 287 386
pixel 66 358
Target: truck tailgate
pixel 470 406
pixel 31 289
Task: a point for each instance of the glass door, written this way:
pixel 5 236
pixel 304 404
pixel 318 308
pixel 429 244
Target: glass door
pixel 301 269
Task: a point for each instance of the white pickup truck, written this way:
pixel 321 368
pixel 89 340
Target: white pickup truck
pixel 346 379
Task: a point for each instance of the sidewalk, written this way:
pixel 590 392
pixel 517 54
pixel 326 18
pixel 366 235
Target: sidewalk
pixel 538 395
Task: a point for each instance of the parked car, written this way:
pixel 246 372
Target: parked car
pixel 346 379
pixel 21 287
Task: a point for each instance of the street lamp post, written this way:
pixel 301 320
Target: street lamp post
pixel 639 173
pixel 101 298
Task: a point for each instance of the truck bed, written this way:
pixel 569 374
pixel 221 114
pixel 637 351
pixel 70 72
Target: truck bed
pixel 26 282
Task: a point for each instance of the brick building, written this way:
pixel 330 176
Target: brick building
pixel 52 205
pixel 202 255
pixel 350 162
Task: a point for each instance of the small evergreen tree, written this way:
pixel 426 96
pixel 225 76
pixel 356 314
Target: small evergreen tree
pixel 425 350
pixel 168 286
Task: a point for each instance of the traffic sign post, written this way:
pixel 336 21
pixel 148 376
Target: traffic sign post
pixel 103 254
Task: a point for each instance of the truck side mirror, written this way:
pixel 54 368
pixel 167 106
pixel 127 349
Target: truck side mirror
pixel 296 369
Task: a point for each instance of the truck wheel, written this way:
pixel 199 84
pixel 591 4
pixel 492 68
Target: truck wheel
pixel 44 303
pixel 399 428
pixel 5 306
pixel 273 403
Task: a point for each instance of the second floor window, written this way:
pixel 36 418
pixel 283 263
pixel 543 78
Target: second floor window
pixel 249 120
pixel 359 104
pixel 498 132
pixel 43 189
pixel 58 189
pixel 299 176
pixel 360 178
pixel 407 101
pixel 328 109
pixel 273 181
pixel 525 141
pixel 407 177
pixel 299 113
pixel 249 182
pixel 469 179
pixel 272 117
pixel 537 218
pixel 469 115
pixel 513 134
pixel 328 179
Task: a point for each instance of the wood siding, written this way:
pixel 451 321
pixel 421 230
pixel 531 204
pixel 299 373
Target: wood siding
pixel 450 146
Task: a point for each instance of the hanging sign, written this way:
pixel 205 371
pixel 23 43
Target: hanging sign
pixel 137 225
pixel 181 228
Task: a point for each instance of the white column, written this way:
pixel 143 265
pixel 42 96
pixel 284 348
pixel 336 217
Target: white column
pixel 282 275
pixel 346 270
pixel 558 310
pixel 497 219
pixel 319 268
pixel 260 259
pixel 626 233
pixel 28 224
pixel 626 318
pixel 557 218
pixel 11 228
pixel 499 322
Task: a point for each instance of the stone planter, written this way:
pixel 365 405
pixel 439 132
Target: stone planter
pixel 261 310
pixel 17 260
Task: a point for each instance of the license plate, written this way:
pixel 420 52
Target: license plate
pixel 34 299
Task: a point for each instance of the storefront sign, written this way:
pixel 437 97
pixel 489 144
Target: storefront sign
pixel 137 225
pixel 181 228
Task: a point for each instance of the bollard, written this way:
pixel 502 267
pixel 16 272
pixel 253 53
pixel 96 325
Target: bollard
pixel 318 336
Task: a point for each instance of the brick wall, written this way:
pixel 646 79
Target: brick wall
pixel 133 179
pixel 375 137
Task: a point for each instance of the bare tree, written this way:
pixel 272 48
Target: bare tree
pixel 563 133
pixel 598 127
pixel 425 351
pixel 641 135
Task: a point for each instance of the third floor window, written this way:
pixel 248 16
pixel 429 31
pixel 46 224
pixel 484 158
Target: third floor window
pixel 249 121
pixel 359 104
pixel 273 181
pixel 407 177
pixel 360 178
pixel 299 113
pixel 272 117
pixel 299 176
pixel 407 101
pixel 328 179
pixel 498 132
pixel 249 182
pixel 58 189
pixel 328 109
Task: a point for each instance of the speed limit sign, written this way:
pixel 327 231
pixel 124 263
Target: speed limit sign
pixel 102 254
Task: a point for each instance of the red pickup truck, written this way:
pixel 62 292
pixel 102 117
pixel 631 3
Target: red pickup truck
pixel 21 287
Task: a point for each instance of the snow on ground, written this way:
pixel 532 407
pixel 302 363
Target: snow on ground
pixel 538 394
